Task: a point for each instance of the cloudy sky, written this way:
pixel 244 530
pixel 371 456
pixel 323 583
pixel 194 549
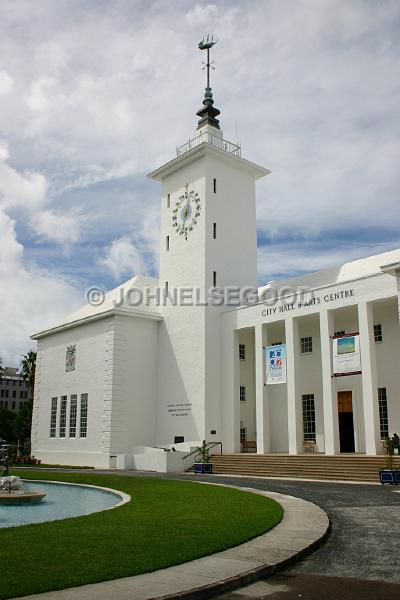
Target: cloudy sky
pixel 95 94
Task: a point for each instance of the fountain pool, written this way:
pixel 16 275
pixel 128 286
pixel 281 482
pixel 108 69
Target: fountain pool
pixel 62 500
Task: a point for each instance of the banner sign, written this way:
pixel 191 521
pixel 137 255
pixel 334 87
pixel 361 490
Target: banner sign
pixel 275 362
pixel 346 355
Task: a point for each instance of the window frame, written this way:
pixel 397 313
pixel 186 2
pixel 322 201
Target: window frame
pixel 309 418
pixel 306 344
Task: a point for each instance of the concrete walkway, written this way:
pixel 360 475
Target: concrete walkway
pixel 303 527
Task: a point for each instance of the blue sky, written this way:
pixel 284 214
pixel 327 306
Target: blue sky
pixel 94 95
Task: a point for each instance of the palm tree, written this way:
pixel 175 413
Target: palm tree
pixel 23 421
pixel 28 368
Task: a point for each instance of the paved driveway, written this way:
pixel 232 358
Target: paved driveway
pixel 365 537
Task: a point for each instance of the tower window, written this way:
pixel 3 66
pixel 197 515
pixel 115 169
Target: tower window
pixel 214 231
pixel 215 185
pixel 242 352
pixel 168 200
pixel 167 243
pixel 378 335
pixel 214 278
pixel 242 393
pixel 166 287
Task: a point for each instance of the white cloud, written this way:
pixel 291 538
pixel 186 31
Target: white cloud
pixel 26 190
pixel 88 101
pixel 122 258
pixel 201 15
pixel 31 298
pixel 61 228
pixel 6 83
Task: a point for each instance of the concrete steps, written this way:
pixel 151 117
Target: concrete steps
pixel 347 467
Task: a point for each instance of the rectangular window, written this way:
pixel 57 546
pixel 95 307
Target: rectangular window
pixel 168 200
pixel 84 415
pixel 242 393
pixel 73 406
pixel 6 393
pixel 214 278
pixel 14 395
pixel 13 405
pixel 63 416
pixel 306 345
pixel 309 418
pixel 2 393
pixel 53 417
pixel 243 434
pixel 215 186
pixel 378 336
pixel 242 351
pixel 167 243
pixel 21 395
pixel 166 287
pixel 383 413
pixel 214 231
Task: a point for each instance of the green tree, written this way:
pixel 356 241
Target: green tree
pixel 28 368
pixel 7 418
pixel 22 424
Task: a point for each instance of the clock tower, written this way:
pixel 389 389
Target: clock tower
pixel 208 253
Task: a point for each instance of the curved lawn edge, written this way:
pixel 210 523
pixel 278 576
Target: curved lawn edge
pixel 169 522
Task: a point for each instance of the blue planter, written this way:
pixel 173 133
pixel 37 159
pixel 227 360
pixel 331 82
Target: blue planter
pixel 203 468
pixel 391 476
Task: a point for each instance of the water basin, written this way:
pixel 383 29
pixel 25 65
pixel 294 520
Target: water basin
pixel 61 501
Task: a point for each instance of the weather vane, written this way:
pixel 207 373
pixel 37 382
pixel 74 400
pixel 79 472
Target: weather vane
pixel 205 44
pixel 208 112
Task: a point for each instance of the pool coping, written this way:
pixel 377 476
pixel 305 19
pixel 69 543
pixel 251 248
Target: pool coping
pixel 124 499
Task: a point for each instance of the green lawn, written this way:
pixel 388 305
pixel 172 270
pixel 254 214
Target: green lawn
pixel 166 523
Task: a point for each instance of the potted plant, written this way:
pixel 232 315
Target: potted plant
pixel 389 474
pixel 202 462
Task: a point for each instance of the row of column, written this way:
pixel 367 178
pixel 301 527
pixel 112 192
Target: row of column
pixel 330 407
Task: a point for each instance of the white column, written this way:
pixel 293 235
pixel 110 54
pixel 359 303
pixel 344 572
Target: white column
pixel 329 398
pixel 369 378
pixel 262 406
pixel 230 393
pixel 294 405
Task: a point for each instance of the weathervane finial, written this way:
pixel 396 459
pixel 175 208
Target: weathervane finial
pixel 208 112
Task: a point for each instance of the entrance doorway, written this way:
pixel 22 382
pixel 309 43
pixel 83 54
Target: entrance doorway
pixel 346 423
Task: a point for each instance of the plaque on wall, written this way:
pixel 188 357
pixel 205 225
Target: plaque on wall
pixel 70 356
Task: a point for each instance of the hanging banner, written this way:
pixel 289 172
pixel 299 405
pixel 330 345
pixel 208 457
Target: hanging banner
pixel 275 363
pixel 346 355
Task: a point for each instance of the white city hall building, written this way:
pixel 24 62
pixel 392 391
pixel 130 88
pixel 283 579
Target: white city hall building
pixel 313 361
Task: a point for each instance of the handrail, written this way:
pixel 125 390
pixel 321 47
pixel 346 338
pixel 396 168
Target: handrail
pixel 209 446
pixel 213 140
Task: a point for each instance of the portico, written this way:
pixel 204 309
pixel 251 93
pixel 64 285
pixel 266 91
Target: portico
pixel 315 410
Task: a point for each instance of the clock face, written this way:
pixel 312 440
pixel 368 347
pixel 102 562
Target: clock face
pixel 186 212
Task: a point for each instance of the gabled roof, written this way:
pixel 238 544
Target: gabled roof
pixel 356 269
pixel 116 301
